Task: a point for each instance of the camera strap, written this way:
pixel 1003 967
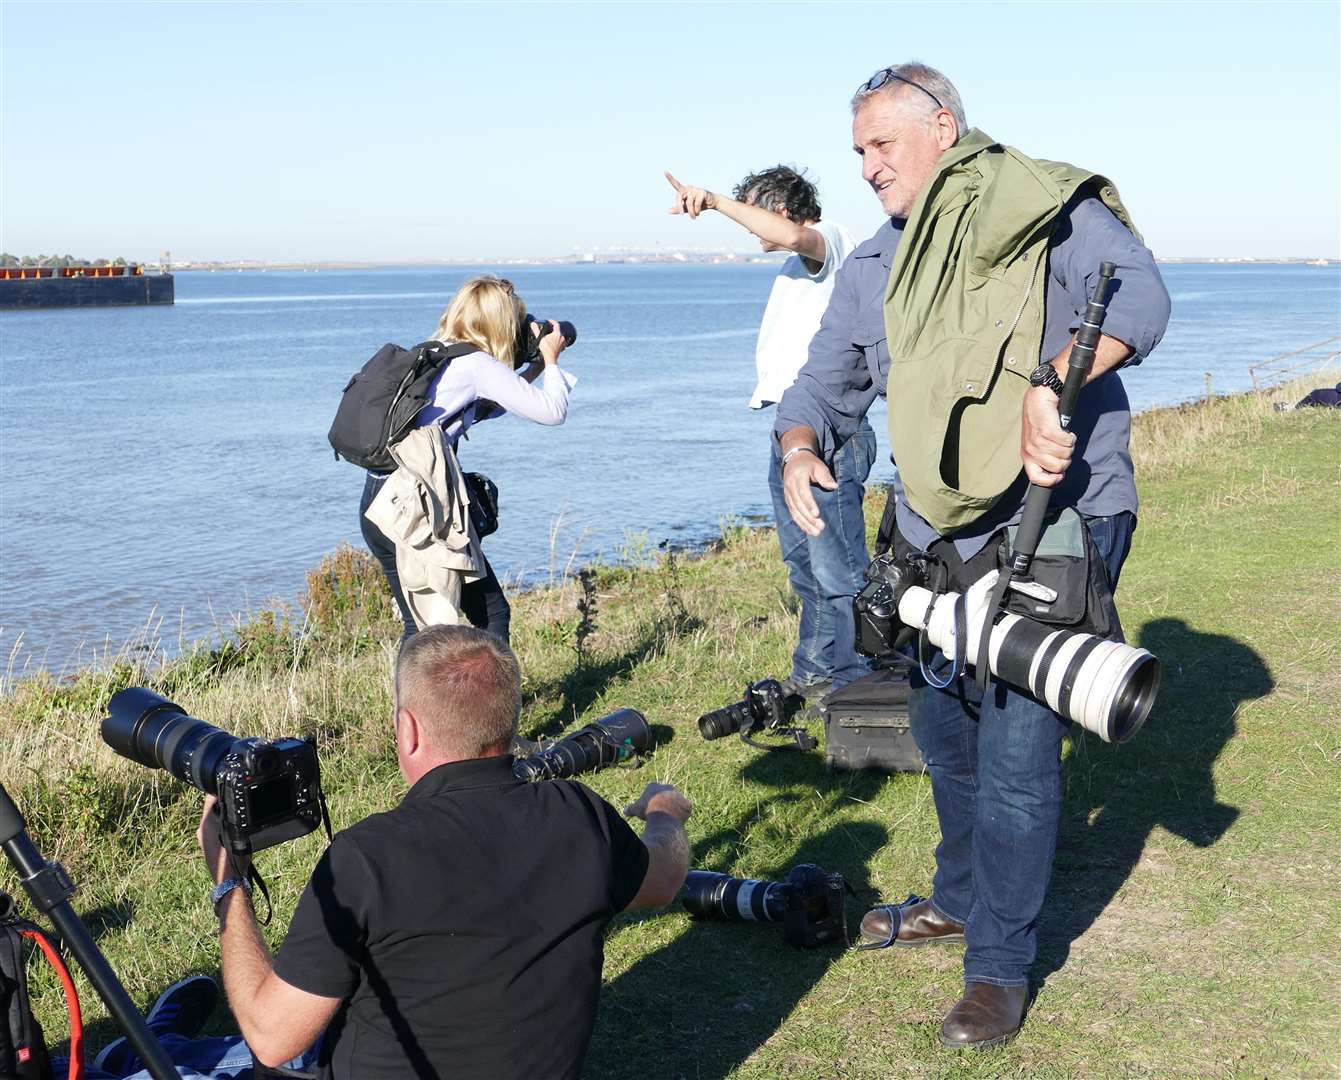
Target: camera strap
pixel 982 670
pixel 924 647
pixel 800 739
pixel 254 876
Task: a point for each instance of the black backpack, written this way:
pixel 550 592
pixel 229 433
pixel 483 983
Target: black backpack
pixel 23 1051
pixel 381 401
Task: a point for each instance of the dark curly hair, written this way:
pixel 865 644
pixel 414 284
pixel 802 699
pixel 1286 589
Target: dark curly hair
pixel 782 187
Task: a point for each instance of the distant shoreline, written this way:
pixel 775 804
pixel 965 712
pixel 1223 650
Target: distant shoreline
pixel 641 259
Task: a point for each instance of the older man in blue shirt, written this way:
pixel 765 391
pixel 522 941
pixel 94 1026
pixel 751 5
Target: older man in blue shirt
pixel 994 762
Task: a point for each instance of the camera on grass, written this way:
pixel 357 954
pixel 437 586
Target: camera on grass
pixel 766 707
pixel 809 903
pixel 269 790
pixel 611 740
pixel 1106 687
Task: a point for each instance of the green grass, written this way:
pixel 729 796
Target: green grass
pixel 1192 924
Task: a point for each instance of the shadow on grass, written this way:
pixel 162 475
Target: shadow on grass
pixel 1116 795
pixel 701 1005
pixel 579 688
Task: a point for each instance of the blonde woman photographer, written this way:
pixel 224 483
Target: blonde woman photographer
pixel 514 369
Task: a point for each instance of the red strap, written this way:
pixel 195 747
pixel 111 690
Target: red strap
pixel 71 1002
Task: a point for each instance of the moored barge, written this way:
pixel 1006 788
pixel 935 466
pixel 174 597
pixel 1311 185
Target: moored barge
pixel 25 287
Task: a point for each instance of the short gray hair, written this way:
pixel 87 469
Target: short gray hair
pixel 912 80
pixel 463 685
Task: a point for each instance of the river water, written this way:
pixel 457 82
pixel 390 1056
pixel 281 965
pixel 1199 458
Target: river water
pixel 167 468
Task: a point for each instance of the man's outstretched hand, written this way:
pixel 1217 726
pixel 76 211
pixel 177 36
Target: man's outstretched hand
pixel 690 200
pixel 660 799
pixel 220 862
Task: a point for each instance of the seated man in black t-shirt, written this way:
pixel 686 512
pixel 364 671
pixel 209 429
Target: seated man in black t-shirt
pixel 461 933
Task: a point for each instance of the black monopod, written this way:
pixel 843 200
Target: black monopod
pixel 1079 363
pixel 49 887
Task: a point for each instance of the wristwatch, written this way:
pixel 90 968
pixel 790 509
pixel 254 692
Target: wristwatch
pixel 1046 375
pixel 225 887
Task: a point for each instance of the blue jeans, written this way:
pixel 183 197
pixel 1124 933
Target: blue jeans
pixel 995 768
pixel 827 571
pixel 482 601
pixel 223 1057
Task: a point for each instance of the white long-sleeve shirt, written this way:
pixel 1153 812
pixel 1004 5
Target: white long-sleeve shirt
pixel 454 395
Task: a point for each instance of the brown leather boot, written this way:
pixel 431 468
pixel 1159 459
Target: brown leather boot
pixel 987 1015
pixel 910 924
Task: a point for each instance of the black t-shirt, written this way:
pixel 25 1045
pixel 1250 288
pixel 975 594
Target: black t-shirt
pixel 465 928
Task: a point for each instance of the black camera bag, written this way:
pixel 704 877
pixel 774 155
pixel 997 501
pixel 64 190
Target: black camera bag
pixel 380 402
pixel 866 723
pixel 483 503
pixel 23 1050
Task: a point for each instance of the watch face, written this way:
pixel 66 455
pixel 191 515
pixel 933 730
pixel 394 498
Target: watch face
pixel 1045 375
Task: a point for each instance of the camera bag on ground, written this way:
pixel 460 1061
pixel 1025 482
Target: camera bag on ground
pixel 866 723
pixel 23 1050
pixel 380 402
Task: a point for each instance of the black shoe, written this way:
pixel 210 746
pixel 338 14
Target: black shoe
pixel 181 1009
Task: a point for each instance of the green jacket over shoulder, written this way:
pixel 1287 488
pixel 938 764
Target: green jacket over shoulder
pixel 964 319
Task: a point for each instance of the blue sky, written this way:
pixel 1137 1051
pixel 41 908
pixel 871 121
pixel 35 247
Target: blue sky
pixel 419 131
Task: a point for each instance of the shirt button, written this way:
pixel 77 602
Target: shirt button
pixel 1010 360
pixel 999 322
pixel 969 387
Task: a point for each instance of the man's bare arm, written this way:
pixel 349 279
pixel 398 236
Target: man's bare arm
pixel 665 810
pixel 765 224
pixel 278 1020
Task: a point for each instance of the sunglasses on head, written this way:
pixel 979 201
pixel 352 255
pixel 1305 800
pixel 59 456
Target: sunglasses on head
pixel 887 75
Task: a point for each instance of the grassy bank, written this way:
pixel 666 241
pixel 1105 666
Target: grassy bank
pixel 1192 924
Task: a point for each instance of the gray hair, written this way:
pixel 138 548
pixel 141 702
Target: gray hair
pixel 912 80
pixel 464 686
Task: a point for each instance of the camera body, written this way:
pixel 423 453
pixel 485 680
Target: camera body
pixel 765 705
pixel 815 914
pixel 269 790
pixel 879 630
pixel 809 903
pixel 528 342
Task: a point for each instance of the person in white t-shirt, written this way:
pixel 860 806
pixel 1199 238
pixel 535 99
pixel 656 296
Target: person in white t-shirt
pixel 780 206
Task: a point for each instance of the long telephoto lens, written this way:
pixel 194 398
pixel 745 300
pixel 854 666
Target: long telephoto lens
pixel 153 731
pixel 1107 687
pixel 612 739
pixel 720 723
pixel 708 895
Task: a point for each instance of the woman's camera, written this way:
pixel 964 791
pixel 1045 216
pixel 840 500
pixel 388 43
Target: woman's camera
pixel 528 341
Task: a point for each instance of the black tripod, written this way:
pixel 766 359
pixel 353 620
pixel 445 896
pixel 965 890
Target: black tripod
pixel 49 888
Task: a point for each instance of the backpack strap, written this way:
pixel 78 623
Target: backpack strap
pixel 449 352
pixel 53 956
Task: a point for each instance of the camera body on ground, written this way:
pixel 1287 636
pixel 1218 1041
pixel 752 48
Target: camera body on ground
pixel 269 791
pixel 765 704
pixel 612 740
pixel 809 903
